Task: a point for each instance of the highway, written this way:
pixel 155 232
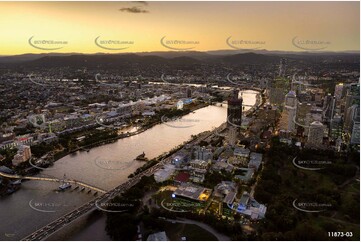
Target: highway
pixel 66 219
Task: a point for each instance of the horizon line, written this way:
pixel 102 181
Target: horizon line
pixel 189 51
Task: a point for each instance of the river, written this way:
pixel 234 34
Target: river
pixel 37 203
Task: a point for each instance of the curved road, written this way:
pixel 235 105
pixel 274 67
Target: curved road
pixel 220 237
pixel 46 231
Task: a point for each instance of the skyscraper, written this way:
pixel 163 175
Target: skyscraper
pixel 290 110
pixel 335 130
pixel 329 105
pixel 355 134
pixel 352 95
pixel 279 86
pixel 234 110
pixel 277 90
pixel 282 70
pixel 338 91
pixel 352 124
pixel 315 134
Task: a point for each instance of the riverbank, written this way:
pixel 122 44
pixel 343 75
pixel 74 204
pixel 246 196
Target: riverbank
pixel 105 166
pixel 64 152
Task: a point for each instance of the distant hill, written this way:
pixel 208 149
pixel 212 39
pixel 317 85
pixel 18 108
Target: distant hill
pixel 172 58
pixel 251 58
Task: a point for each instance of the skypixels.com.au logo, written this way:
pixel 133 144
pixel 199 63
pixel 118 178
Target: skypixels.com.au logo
pixel 177 44
pixel 112 164
pixel 110 44
pixel 46 207
pixel 177 122
pixel 242 44
pixel 311 207
pixel 47 44
pixel 115 207
pixel 310 45
pixel 311 165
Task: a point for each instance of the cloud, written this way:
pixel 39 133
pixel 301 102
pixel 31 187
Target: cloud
pixel 133 10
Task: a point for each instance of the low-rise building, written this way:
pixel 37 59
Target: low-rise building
pixel 250 207
pixel 160 236
pixel 182 177
pixel 165 173
pixel 193 192
pixel 226 191
pixel 222 164
pixel 244 174
pixel 199 164
pixel 179 160
pixel 23 154
pixel 241 153
pixel 255 160
pixel 202 153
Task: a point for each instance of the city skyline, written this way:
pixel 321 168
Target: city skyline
pixel 84 27
pixel 180 121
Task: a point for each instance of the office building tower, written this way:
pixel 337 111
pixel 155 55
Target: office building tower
pixel 303 114
pixel 355 134
pixel 352 114
pixel 234 110
pixel 290 110
pixel 282 69
pixel 315 134
pixel 232 135
pixel 336 125
pixel 338 91
pixel 352 95
pixel 329 105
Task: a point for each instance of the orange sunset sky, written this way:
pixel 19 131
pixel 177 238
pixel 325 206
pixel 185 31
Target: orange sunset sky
pixel 275 24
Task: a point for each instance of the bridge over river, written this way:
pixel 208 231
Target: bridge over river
pixel 66 219
pixel 50 179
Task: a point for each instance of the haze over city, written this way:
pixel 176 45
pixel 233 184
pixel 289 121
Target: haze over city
pixel 180 121
pixel 274 24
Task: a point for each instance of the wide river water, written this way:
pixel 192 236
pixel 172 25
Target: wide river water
pixel 38 203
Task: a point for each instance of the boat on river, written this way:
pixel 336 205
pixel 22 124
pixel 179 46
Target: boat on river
pixel 141 157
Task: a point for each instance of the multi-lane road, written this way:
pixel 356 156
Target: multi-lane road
pixel 66 219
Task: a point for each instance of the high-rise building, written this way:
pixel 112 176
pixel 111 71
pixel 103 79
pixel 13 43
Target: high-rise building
pixel 338 91
pixel 352 123
pixel 355 134
pixel 282 70
pixel 303 117
pixel 336 124
pixel 202 153
pixel 352 95
pixel 234 110
pixel 277 91
pixel 303 114
pixel 315 134
pixel 352 114
pixel 290 110
pixel 232 135
pixel 279 86
pixel 329 105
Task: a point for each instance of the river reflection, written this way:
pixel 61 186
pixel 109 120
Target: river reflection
pixel 106 167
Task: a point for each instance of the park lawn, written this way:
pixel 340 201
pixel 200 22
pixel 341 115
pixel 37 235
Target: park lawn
pixel 338 226
pixel 353 187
